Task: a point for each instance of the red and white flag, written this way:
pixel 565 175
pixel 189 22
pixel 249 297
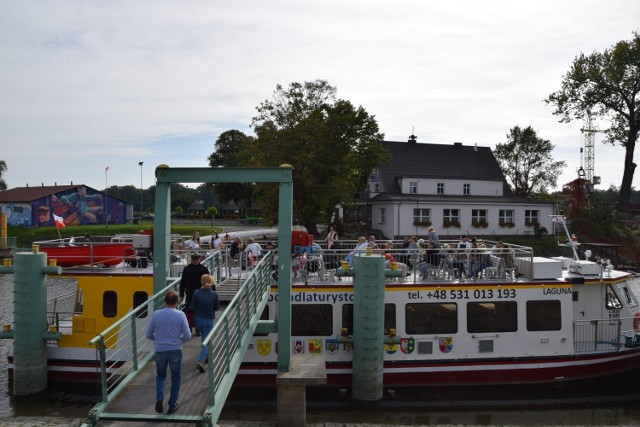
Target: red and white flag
pixel 59 221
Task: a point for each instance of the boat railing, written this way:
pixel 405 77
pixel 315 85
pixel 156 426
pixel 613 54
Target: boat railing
pixel 320 264
pixel 62 307
pixel 591 336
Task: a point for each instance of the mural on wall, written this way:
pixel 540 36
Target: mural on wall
pixel 18 215
pixel 79 206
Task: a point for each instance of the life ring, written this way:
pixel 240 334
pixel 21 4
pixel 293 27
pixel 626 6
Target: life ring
pixel 636 322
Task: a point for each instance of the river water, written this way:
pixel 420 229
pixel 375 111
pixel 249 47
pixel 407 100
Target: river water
pixel 614 402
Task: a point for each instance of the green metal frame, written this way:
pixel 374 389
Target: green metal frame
pixel 247 305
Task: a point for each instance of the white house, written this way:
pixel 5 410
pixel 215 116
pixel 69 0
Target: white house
pixel 455 188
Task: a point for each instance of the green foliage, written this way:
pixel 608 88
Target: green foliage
pixel 453 223
pixel 479 224
pixel 606 85
pixel 3 168
pixel 212 212
pixel 422 223
pixel 332 146
pixel 525 160
pixel 233 149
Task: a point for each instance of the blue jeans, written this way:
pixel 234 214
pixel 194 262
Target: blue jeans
pixel 204 325
pixel 173 359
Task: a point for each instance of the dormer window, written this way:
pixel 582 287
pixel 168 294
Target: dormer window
pixel 413 187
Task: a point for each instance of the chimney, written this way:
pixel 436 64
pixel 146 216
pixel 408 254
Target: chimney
pixel 412 139
pixel 475 147
pixel 457 145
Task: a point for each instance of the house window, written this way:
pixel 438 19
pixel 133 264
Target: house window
pixel 531 217
pixel 451 215
pixel 421 216
pixel 377 188
pixel 505 216
pixel 413 187
pixel 383 216
pixel 466 189
pixel 441 188
pixel 478 216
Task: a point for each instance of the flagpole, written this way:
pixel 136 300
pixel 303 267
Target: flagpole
pixel 106 198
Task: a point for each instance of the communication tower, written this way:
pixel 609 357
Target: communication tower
pixel 587 151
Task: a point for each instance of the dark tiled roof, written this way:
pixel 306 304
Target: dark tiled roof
pixel 454 161
pixel 28 194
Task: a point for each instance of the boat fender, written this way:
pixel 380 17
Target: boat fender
pixel 636 322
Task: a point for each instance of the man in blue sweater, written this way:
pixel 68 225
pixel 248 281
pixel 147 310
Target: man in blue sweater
pixel 168 329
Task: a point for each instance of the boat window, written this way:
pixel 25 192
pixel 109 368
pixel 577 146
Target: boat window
pixel 110 304
pixel 431 318
pixel 263 316
pixel 544 315
pixel 139 298
pixel 628 297
pixel 613 302
pixel 492 316
pixel 311 320
pixel 389 318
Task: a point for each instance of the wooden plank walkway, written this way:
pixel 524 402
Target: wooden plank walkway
pixel 139 395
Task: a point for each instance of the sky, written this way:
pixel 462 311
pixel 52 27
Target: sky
pixel 86 85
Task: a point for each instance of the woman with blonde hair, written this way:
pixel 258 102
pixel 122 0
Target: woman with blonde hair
pixel 205 303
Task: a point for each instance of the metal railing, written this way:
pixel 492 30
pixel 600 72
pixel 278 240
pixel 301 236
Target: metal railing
pixel 602 335
pixel 123 350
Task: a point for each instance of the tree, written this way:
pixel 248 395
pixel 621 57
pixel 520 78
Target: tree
pixel 526 162
pixel 332 146
pixel 3 168
pixel 233 149
pixel 606 84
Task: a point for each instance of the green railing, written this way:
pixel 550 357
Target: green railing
pixel 123 350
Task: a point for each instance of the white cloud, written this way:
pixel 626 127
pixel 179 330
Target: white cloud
pixel 86 84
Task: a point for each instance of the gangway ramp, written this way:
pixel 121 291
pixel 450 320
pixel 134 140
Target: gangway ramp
pixel 128 389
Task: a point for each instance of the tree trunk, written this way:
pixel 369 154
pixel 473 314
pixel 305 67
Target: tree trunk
pixel 627 177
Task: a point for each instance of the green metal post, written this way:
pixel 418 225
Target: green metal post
pixel 161 235
pixel 285 218
pixel 368 327
pixel 30 322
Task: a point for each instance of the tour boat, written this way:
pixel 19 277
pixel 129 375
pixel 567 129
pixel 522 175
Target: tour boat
pixel 72 252
pixel 538 320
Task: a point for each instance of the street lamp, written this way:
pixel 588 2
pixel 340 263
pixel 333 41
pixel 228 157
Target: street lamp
pixel 141 191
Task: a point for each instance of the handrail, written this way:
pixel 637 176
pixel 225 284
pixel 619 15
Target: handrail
pixel 123 349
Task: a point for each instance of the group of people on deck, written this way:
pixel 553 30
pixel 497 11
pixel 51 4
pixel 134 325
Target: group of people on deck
pixel 467 257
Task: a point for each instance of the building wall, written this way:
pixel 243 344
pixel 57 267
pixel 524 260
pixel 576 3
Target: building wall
pixel 399 219
pixel 453 187
pixel 18 214
pixel 75 207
